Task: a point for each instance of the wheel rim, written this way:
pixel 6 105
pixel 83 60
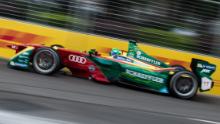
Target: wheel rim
pixel 45 60
pixel 185 85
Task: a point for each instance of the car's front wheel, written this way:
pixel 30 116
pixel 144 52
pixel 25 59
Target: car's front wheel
pixel 184 85
pixel 46 61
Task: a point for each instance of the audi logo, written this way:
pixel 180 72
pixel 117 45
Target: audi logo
pixel 77 59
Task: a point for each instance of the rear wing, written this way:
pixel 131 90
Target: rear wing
pixel 203 70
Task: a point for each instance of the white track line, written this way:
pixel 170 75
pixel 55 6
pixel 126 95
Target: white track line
pixel 205 121
pixel 15 118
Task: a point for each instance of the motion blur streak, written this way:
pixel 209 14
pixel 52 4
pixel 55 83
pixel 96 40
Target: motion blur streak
pixel 15 118
pixel 183 24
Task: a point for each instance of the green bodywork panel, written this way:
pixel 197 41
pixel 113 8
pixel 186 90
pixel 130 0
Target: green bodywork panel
pixel 110 69
pixel 22 59
pixel 135 52
pixel 134 75
pixel 150 79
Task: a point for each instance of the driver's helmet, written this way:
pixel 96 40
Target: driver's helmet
pixel 115 52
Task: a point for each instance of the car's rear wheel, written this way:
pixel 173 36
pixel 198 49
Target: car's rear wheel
pixel 46 61
pixel 184 85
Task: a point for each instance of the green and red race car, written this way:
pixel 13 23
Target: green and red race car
pixel 134 67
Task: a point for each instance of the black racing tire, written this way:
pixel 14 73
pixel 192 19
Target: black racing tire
pixel 46 61
pixel 55 47
pixel 184 85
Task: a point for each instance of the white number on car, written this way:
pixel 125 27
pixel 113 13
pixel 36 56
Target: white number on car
pixel 206 84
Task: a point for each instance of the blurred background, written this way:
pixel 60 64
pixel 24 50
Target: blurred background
pixel 191 25
pixel 188 25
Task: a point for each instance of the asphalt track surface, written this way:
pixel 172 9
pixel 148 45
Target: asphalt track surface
pixel 29 98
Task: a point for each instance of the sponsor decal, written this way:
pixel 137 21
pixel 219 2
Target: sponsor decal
pixel 77 59
pixel 23 57
pixel 91 68
pixel 139 56
pixel 145 76
pixel 18 64
pixel 206 71
pixel 26 53
pixel 199 65
pixel 24 61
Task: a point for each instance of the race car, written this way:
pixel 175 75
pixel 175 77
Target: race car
pixel 133 67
